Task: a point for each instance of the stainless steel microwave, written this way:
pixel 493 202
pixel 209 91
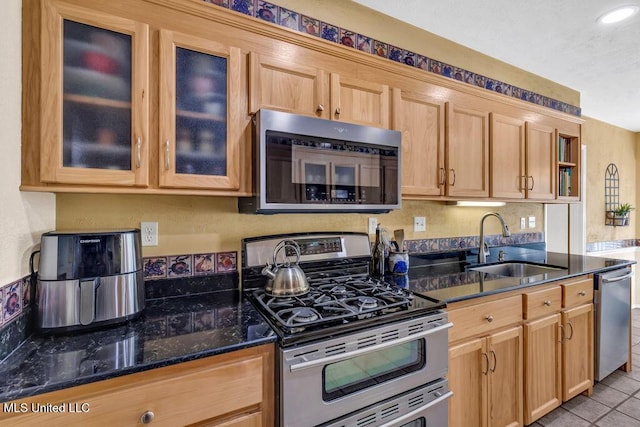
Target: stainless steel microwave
pixel 306 164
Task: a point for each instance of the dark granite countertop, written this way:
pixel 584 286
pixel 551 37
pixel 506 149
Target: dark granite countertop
pixel 447 278
pixel 171 330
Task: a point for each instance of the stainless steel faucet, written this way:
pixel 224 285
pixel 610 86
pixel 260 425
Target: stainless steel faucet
pixel 482 252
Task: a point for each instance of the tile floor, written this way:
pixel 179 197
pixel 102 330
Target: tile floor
pixel 615 401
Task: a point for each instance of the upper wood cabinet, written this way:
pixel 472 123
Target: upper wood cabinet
pixel 286 86
pixel 522 159
pixel 199 128
pixel 94 102
pixel 421 121
pixel 467 152
pixel 508 172
pixel 569 153
pixel 311 91
pixel 541 162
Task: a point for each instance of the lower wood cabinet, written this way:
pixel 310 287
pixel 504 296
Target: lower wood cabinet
pixel 577 351
pixel 232 389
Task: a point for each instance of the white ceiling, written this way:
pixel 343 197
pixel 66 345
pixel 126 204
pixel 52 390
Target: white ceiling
pixel 556 39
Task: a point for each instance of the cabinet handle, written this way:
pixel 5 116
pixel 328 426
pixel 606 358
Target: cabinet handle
pixel 443 176
pixel 561 333
pixel 582 293
pixel 533 183
pixel 570 327
pixel 486 357
pixel 320 108
pixel 138 146
pixel 495 361
pixel 524 181
pixel 147 417
pixel 166 155
pixel 338 111
pixel 547 303
pixel 453 182
pixel 489 318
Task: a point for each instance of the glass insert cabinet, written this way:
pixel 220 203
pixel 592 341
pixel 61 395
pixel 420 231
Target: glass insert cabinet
pixel 95 104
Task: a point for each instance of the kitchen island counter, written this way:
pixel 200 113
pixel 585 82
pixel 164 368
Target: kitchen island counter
pixel 170 331
pixel 447 279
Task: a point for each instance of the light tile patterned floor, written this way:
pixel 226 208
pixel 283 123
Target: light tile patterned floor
pixel 615 401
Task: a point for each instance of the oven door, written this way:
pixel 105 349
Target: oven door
pixel 328 379
pixel 424 407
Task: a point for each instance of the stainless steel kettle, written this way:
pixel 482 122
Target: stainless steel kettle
pixel 285 279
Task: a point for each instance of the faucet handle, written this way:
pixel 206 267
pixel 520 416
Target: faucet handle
pixel 501 256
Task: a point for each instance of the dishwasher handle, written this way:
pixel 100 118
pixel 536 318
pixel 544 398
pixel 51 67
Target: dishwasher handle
pixel 617 279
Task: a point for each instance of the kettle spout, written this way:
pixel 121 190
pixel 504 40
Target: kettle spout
pixel 266 271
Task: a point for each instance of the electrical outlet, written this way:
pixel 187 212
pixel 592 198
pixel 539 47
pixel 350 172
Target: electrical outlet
pixel 532 222
pixel 523 223
pixel 419 223
pixel 149 231
pixel 373 223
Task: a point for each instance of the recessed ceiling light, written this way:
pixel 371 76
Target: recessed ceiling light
pixel 617 15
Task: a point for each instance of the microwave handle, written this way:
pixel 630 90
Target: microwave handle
pixel 371 349
pixel 410 415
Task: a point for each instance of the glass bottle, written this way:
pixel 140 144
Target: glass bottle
pixel 378 254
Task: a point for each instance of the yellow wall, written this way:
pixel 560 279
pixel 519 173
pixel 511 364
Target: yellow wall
pixel 208 224
pixel 355 17
pixel 609 144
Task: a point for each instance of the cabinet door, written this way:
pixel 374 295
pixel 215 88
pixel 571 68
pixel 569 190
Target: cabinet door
pixel 468 379
pixel 356 101
pixel 421 121
pixel 541 162
pixel 508 178
pixel 467 152
pixel 505 373
pixel 542 364
pixel 94 98
pixel 200 135
pixel 577 351
pixel 286 86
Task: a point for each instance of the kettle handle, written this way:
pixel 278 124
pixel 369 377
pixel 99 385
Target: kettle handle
pixel 286 244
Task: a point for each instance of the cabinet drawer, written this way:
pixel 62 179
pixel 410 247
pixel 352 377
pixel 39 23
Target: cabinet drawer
pixel 484 317
pixel 541 303
pixel 181 394
pixel 577 292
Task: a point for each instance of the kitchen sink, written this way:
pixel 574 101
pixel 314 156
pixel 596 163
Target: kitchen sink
pixel 516 269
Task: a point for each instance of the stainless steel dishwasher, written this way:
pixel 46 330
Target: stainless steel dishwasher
pixel 613 320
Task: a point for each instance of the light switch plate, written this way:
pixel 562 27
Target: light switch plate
pixel 373 223
pixel 419 224
pixel 523 223
pixel 532 222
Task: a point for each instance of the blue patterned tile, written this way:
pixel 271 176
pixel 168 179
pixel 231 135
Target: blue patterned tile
pixel 204 264
pixel 243 6
pixel 364 43
pixel 380 48
pixel 179 266
pixel 480 80
pixel 223 3
pixel 447 70
pixel 12 301
pixel 409 58
pixel 490 84
pixel 309 25
pixel 226 261
pixel 288 18
pixel 422 62
pixel 27 292
pixel 267 11
pixel 155 267
pixel 470 77
pixel 330 32
pixel 435 66
pixel 458 74
pixel 347 38
pixel 395 53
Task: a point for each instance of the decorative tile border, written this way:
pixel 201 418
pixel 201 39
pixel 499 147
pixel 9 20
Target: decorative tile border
pixel 423 246
pixel 269 12
pixel 610 245
pixel 189 265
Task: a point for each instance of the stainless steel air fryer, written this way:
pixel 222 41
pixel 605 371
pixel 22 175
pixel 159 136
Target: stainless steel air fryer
pixel 89 279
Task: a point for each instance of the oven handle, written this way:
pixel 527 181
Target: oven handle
pixel 371 349
pixel 407 417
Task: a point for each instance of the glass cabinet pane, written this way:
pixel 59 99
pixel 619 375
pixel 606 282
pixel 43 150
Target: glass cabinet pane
pixel 201 112
pixel 97 114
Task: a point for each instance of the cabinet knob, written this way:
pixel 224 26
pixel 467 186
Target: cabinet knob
pixel 547 303
pixel 147 417
pixel 338 111
pixel 582 293
pixel 489 318
pixel 320 108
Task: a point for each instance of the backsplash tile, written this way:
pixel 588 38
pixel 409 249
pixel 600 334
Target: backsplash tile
pixel 445 244
pixel 614 244
pixel 189 265
pixel 290 19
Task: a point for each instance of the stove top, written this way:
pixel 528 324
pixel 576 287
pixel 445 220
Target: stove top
pixel 342 298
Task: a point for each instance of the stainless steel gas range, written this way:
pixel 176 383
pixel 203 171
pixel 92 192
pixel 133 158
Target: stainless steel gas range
pixel 354 350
